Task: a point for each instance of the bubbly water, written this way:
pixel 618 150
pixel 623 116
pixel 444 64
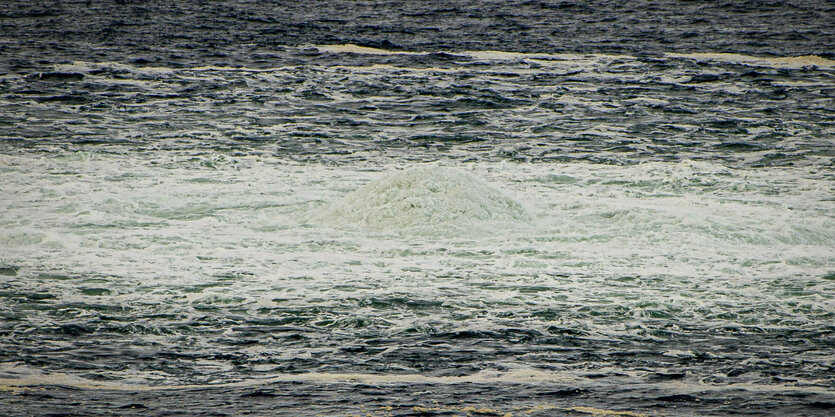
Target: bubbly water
pixel 426 228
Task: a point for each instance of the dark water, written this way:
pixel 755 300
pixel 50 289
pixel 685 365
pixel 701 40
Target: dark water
pixel 417 208
pixel 253 33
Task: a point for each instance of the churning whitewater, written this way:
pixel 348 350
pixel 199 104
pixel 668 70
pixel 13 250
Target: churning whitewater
pixel 427 198
pixel 417 209
pixel 417 274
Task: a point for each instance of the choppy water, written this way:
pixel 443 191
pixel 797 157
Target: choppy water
pixel 422 226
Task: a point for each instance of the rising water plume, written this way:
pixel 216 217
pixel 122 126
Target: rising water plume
pixel 425 199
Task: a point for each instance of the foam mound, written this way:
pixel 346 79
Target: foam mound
pixel 427 198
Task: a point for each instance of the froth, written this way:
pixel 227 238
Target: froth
pixel 427 198
pixel 775 62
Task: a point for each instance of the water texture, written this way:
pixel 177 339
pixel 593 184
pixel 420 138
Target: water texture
pixel 417 209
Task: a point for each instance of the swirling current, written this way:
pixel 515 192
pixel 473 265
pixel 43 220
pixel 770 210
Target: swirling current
pixel 525 208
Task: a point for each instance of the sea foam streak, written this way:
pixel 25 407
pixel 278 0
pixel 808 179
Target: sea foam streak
pixel 764 61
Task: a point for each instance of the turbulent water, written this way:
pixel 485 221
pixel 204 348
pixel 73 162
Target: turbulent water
pixel 402 209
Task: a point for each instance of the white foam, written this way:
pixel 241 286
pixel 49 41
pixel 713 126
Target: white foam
pixel 356 49
pixel 513 376
pixel 774 62
pixel 427 197
pixel 491 55
pixel 697 238
pixel 523 375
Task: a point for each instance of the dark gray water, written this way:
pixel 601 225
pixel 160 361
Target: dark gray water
pixel 253 33
pixel 417 208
